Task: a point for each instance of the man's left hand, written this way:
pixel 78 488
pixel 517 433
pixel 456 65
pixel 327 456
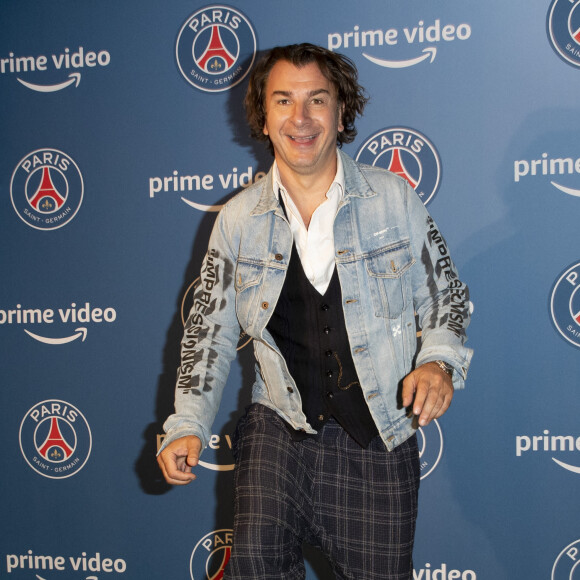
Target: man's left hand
pixel 432 390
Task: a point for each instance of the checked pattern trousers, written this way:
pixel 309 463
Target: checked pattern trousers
pixel 358 506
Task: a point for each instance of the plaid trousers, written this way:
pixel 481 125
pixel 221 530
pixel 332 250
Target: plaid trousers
pixel 359 506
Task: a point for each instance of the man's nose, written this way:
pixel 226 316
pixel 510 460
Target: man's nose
pixel 300 114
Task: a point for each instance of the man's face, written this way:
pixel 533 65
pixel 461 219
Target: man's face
pixel 303 119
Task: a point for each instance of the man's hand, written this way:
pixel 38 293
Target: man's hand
pixel 177 459
pixel 432 390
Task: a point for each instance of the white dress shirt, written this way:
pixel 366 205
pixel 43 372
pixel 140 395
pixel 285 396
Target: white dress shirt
pixel 315 244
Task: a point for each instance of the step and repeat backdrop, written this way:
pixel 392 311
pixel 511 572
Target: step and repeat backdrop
pixel 123 133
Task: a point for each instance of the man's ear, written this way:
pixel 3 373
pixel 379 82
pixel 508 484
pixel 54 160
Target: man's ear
pixel 340 114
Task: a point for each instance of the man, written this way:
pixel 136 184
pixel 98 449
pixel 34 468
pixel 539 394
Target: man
pixel 323 263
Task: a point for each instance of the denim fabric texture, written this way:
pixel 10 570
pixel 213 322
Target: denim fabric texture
pixel 393 265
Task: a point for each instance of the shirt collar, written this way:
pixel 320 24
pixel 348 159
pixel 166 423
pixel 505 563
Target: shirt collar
pixel 338 180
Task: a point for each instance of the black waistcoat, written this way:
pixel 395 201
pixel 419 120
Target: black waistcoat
pixel 310 331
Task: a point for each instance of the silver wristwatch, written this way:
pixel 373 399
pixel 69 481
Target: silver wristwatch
pixel 444 367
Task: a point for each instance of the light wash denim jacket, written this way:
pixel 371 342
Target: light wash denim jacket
pixel 392 263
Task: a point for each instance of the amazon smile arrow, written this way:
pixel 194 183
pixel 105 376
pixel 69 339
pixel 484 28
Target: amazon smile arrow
pixel 82 331
pixel 429 52
pixel 73 78
pixel 568 190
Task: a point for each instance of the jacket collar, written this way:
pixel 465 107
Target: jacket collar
pixel 355 185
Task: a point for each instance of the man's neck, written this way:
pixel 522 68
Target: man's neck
pixel 307 191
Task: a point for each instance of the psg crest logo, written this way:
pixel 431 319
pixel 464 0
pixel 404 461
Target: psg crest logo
pixel 565 305
pixel 564 30
pixel 566 566
pixel 215 48
pixel 211 555
pixel 407 153
pixel 55 439
pixel 46 189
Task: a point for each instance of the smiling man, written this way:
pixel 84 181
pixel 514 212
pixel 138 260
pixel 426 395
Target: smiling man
pixel 324 263
pixel 303 118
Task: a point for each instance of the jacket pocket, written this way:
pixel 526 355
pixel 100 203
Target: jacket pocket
pixel 248 278
pixel 387 269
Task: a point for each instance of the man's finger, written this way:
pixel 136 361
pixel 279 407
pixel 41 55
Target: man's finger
pixel 430 407
pixel 421 393
pixel 408 390
pixel 436 403
pixel 173 473
pixel 177 459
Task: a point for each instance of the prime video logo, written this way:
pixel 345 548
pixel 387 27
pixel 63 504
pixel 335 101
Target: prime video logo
pixel 550 444
pixel 548 166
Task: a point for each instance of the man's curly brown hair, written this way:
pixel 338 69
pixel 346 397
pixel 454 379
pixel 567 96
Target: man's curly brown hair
pixel 337 68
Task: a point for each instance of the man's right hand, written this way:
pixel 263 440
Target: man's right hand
pixel 177 459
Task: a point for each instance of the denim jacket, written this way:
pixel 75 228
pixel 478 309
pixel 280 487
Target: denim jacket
pixel 394 269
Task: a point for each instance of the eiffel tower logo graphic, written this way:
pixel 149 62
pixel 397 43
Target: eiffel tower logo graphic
pixel 55 448
pixel 576 35
pixel 222 565
pixel 216 58
pixel 46 198
pixel 397 166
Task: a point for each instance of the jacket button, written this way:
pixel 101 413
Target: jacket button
pixel 329 374
pixel 329 395
pixel 265 305
pixel 325 307
pixel 328 353
pixel 290 389
pixel 279 257
pixel 326 330
pixel 321 417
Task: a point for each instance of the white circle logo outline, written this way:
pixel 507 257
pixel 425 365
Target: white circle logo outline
pixel 206 86
pixel 80 194
pixel 86 424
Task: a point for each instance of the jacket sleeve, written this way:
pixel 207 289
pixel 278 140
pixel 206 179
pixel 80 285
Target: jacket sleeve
pixel 209 342
pixel 440 298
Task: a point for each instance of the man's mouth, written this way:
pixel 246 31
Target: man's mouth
pixel 302 138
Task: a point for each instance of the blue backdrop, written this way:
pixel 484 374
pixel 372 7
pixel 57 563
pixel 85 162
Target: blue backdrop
pixel 123 132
